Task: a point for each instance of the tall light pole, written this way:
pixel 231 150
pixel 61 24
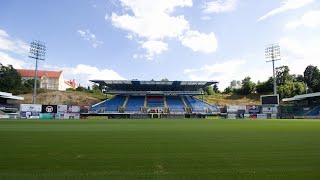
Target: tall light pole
pixel 37 52
pixel 272 53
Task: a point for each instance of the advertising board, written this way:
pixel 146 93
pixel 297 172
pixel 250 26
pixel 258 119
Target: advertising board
pixel 262 116
pixel 46 116
pixel 253 109
pixel 270 110
pixel 67 116
pixel 29 115
pixel 49 109
pixel 30 107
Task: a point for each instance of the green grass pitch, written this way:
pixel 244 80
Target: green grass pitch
pixel 159 149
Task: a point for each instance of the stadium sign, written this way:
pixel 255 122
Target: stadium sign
pixel 49 109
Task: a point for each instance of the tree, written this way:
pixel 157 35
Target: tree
pixel 265 87
pixel 298 78
pixel 227 90
pixel 234 84
pixel 10 80
pixel 209 90
pixel 283 75
pixel 291 89
pixel 216 89
pixel 247 86
pixel 81 88
pixel 312 78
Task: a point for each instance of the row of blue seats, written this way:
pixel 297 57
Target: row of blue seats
pixel 175 104
pixel 111 104
pixel 308 110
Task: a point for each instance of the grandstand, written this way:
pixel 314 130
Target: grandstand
pixel 154 99
pixel 306 105
pixel 9 105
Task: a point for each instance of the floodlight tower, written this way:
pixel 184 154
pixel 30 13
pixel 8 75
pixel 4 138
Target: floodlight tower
pixel 37 52
pixel 272 53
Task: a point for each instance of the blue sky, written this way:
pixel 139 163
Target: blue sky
pixel 221 40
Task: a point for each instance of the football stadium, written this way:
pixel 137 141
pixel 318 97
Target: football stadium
pixel 160 130
pixel 160 89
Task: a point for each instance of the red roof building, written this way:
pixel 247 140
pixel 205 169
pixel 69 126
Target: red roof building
pixel 71 84
pixel 48 79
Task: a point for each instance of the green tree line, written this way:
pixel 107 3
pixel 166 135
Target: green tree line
pixel 288 85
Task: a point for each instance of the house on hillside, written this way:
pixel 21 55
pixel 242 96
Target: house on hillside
pixel 48 79
pixel 71 84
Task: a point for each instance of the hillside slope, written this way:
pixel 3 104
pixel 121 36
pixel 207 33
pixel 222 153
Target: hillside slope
pixel 231 99
pixel 62 97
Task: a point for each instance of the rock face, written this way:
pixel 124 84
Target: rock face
pixel 61 97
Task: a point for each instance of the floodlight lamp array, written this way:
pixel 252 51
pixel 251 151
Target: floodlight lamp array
pixel 38 49
pixel 273 52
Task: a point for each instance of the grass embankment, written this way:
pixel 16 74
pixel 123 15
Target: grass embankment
pixel 159 149
pixel 65 97
pixel 232 99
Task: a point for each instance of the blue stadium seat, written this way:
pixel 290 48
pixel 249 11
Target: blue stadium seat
pixel 135 103
pixel 315 111
pixel 175 104
pixel 200 106
pixel 109 105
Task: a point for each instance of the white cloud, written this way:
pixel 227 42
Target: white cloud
pixel 223 72
pixel 152 19
pixel 88 36
pixel 12 45
pixel 286 6
pixel 152 22
pixel 82 73
pixel 3 33
pixel 220 6
pixel 200 42
pixel 6 60
pixel 298 55
pixel 154 47
pixel 205 18
pixel 309 19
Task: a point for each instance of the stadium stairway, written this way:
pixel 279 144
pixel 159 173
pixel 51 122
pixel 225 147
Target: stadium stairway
pixel 125 102
pixel 145 101
pixel 165 101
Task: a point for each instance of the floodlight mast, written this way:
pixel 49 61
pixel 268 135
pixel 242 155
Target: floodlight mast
pixel 272 52
pixel 37 52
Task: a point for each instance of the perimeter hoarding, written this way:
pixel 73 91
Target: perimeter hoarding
pixel 30 111
pixel 253 109
pixel 31 107
pixel 49 109
pixel 68 109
